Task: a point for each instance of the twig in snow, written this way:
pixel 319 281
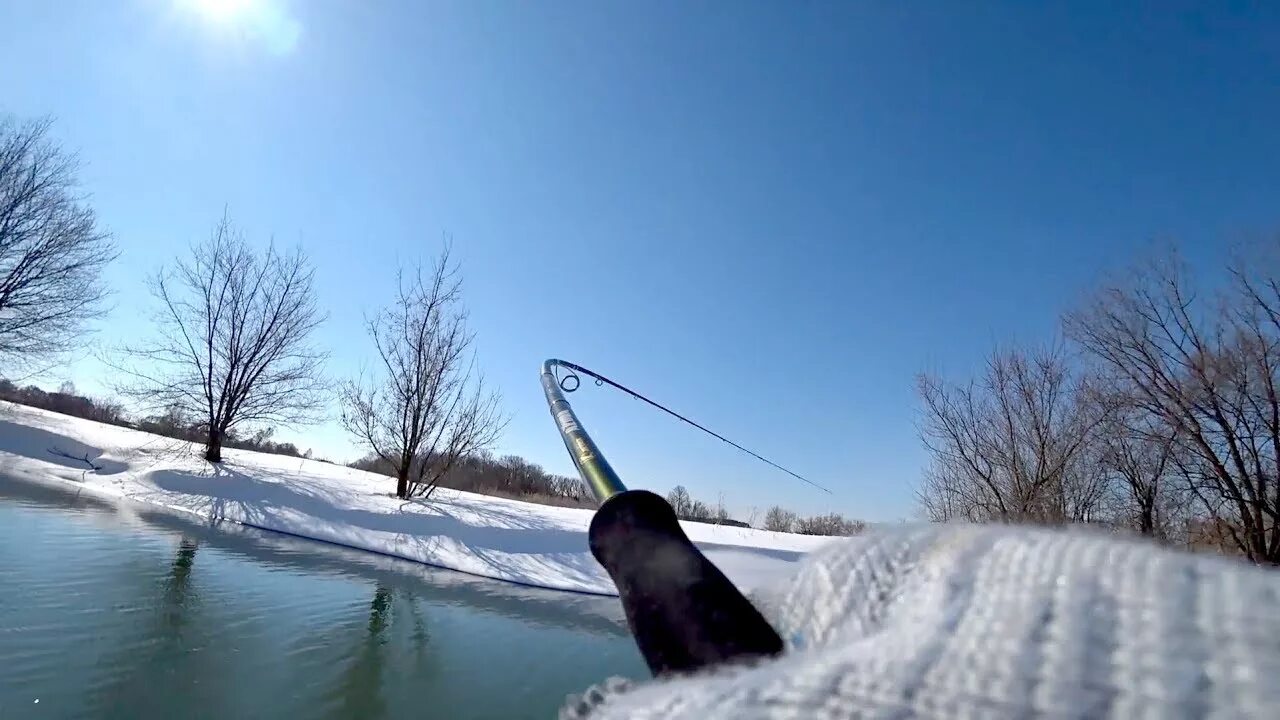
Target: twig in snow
pixel 62 453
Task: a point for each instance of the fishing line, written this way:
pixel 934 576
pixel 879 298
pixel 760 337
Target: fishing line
pixel 571 382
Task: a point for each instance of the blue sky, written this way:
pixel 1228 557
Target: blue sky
pixel 768 215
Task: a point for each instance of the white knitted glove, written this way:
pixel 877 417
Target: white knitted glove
pixel 991 621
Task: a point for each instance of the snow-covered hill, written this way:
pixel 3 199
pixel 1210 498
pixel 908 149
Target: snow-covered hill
pixel 493 537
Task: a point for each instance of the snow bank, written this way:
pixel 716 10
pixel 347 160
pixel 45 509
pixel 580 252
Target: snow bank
pixel 492 537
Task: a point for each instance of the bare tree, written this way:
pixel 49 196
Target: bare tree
pixel 1011 447
pixel 1209 372
pixel 779 520
pixel 1136 452
pixel 427 407
pixel 680 501
pixel 720 512
pixel 233 340
pixel 699 510
pixel 52 252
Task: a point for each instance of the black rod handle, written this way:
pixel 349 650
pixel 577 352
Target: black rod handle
pixel 683 612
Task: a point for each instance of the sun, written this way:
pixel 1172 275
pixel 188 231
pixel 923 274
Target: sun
pixel 222 11
pixel 267 23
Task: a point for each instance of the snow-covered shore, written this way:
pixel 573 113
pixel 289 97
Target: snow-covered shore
pixel 488 536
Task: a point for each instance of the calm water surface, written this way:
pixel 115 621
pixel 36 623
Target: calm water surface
pixel 114 611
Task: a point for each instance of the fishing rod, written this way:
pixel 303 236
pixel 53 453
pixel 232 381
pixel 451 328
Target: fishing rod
pixel 683 612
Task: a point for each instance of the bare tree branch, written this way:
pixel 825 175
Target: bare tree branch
pixel 1013 446
pixel 52 252
pixel 1207 372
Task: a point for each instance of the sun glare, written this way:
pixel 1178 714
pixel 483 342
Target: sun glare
pixel 223 11
pixel 268 23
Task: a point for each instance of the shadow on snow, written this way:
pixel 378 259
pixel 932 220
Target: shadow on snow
pixel 55 448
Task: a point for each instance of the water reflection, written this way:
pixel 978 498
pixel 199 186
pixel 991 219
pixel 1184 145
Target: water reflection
pixel 361 690
pixel 177 586
pixel 378 615
pixel 163 648
pixel 130 613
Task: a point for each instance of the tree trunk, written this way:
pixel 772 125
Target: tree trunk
pixel 1147 513
pixel 213 446
pixel 402 484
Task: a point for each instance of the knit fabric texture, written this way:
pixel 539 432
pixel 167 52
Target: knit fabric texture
pixel 993 622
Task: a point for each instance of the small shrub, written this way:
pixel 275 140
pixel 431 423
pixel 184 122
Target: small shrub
pixel 780 520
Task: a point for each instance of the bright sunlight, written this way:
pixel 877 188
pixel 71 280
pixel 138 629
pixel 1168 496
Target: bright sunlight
pixel 222 11
pixel 268 22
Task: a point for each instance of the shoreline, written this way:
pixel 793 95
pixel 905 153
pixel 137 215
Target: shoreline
pixel 486 536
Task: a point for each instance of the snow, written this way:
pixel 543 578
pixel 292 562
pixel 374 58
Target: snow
pixel 491 537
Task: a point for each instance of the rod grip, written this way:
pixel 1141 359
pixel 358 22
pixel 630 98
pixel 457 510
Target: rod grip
pixel 683 612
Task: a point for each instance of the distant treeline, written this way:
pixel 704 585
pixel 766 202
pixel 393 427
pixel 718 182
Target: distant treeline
pixel 64 401
pixel 508 476
pixel 689 509
pixel 782 520
pixel 172 423
pixel 776 518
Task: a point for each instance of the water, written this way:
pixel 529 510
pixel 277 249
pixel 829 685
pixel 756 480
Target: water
pixel 113 611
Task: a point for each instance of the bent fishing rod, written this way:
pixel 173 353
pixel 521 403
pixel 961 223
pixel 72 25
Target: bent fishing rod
pixel 683 612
